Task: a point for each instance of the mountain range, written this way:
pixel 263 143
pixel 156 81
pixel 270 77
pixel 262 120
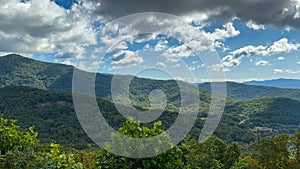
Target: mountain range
pixel 38 93
pixel 281 83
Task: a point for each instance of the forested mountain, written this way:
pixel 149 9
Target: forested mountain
pixel 53 115
pixel 245 92
pixel 51 109
pixel 281 83
pixel 16 70
pixel 269 116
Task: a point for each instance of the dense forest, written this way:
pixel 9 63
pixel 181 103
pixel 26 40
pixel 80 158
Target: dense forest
pixel 20 148
pixel 52 113
pixel 258 128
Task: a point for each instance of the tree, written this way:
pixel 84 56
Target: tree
pixel 21 149
pixel 247 162
pixel 273 153
pixel 213 153
pixel 16 146
pixel 171 159
pixel 55 159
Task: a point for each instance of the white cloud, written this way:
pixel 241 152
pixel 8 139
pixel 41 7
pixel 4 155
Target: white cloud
pixel 161 45
pixel 262 63
pixel 298 63
pixel 278 71
pixel 218 67
pixel 248 51
pixel 296 4
pixel 193 37
pixel 254 26
pixel 177 65
pixel 113 33
pixel 280 58
pixel 41 26
pixel 160 65
pixel 174 54
pixel 229 31
pixel 126 58
pixel 196 39
pixel 289 71
pixel 229 61
pixel 281 46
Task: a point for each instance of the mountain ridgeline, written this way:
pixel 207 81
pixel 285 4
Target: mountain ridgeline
pixel 281 83
pixel 241 91
pixel 16 70
pixel 38 93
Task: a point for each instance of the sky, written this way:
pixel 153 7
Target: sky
pixel 253 39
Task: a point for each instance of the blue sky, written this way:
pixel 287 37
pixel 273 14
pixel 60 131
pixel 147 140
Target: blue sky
pixel 252 44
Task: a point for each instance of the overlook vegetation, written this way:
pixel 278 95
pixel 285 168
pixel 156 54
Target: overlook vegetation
pixel 20 148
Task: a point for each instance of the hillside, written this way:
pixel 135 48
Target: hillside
pixel 52 114
pixel 16 70
pixel 48 108
pixel 246 92
pixel 281 115
pixel 281 83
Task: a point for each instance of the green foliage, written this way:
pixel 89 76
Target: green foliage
pixel 247 163
pixel 20 149
pixel 87 157
pixel 280 152
pixel 213 153
pixel 13 139
pixel 56 160
pixel 170 159
pixel 16 146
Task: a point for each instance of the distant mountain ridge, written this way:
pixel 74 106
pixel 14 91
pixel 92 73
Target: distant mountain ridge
pixel 242 91
pixel 281 83
pixel 16 70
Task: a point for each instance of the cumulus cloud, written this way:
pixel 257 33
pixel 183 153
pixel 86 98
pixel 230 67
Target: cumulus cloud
pixel 174 54
pixel 41 26
pixel 280 58
pixel 298 63
pixel 281 46
pixel 254 26
pixel 160 65
pixel 262 63
pixel 126 58
pixel 229 31
pixel 278 71
pixel 161 45
pixel 195 39
pixel 267 12
pixel 218 67
pixel 289 71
